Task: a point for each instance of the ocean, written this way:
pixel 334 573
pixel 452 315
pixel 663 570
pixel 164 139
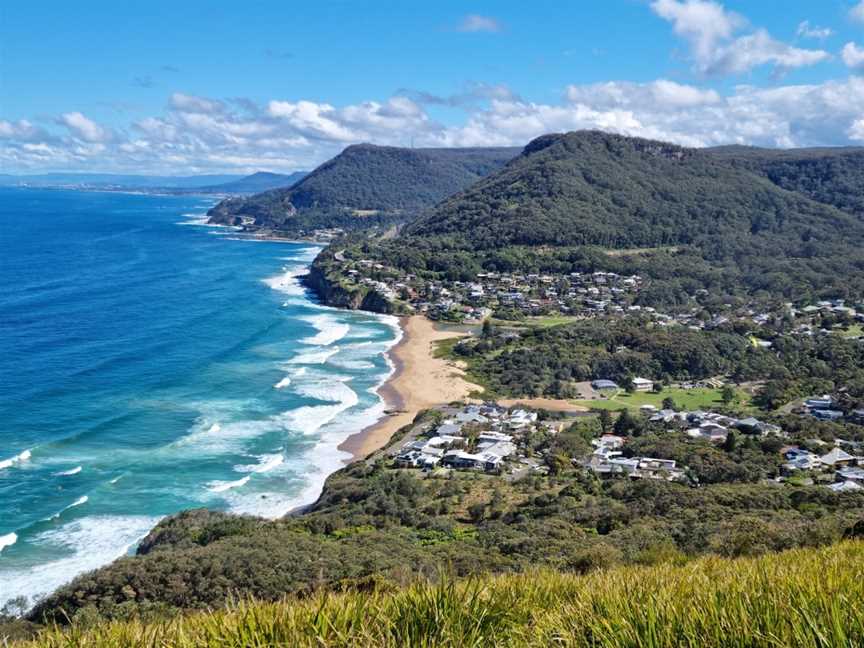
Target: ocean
pixel 150 363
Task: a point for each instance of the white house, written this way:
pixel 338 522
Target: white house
pixel 643 384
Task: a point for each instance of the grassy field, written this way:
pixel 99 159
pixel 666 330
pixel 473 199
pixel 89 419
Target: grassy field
pixel 540 321
pixel 806 598
pixel 689 399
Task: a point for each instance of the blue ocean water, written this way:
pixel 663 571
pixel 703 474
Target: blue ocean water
pixel 148 364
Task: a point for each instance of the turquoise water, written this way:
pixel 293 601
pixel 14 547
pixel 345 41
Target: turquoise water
pixel 148 364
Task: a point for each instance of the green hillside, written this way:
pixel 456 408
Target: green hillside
pixel 366 185
pixel 834 176
pixel 684 217
pixel 804 598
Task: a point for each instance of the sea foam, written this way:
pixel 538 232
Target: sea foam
pixel 282 383
pixel 69 473
pixel 330 330
pixel 266 463
pixel 8 463
pixel 85 544
pixel 220 486
pixel 7 540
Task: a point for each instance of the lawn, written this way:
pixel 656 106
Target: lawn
pixel 685 399
pixel 539 321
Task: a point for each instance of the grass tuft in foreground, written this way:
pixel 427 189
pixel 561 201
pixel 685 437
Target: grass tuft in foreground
pixel 804 597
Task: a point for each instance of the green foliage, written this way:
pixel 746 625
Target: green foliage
pixel 393 526
pixel 543 361
pixel 366 186
pixel 803 598
pixel 711 224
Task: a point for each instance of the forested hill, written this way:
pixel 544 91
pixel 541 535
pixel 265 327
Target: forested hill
pixel 366 185
pixel 587 199
pixel 593 188
pixel 834 176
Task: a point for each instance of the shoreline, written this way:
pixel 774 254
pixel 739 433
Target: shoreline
pixel 419 381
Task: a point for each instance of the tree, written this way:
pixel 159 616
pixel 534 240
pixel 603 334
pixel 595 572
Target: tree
pixel 626 424
pixel 605 421
pixel 727 395
pixel 477 511
pixel 731 442
pixel 488 329
pixel 669 403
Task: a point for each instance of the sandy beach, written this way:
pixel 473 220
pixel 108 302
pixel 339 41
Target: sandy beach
pixel 419 382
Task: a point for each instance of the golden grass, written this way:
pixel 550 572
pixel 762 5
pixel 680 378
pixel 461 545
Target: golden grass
pixel 804 597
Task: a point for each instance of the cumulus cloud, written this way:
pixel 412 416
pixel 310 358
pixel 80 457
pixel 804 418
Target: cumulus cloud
pixel 852 55
pixel 806 30
pixel 477 23
pixel 197 134
pixel 856 13
pixel 710 31
pixel 83 128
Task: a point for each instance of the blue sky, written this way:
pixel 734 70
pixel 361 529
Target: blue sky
pixel 185 87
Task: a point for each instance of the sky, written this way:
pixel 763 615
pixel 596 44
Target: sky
pixel 204 87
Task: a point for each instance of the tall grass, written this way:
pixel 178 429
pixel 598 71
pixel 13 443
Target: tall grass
pixel 804 597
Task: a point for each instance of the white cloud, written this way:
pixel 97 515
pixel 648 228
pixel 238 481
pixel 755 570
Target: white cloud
pixel 701 22
pixel 194 104
pixel 631 95
pixel 477 23
pixel 206 134
pixel 709 29
pixel 806 30
pixel 852 55
pixel 84 128
pixel 856 13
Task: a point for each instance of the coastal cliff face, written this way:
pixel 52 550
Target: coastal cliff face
pixel 333 293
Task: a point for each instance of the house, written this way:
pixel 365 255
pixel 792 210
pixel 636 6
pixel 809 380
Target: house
pixel 836 458
pixel 846 487
pixel 449 429
pixel 608 441
pixel 819 403
pixel 851 474
pixel 520 418
pixel 604 385
pixel 709 431
pixel 648 409
pixel 827 414
pixel 642 384
pixel 651 468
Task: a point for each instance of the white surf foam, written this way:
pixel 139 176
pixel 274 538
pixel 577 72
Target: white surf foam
pixel 7 540
pixel 288 282
pixel 330 330
pixel 221 486
pixel 354 365
pixel 69 473
pixel 78 502
pixel 308 419
pixel 8 463
pixel 282 383
pixel 83 545
pixel 266 463
pixel 318 356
